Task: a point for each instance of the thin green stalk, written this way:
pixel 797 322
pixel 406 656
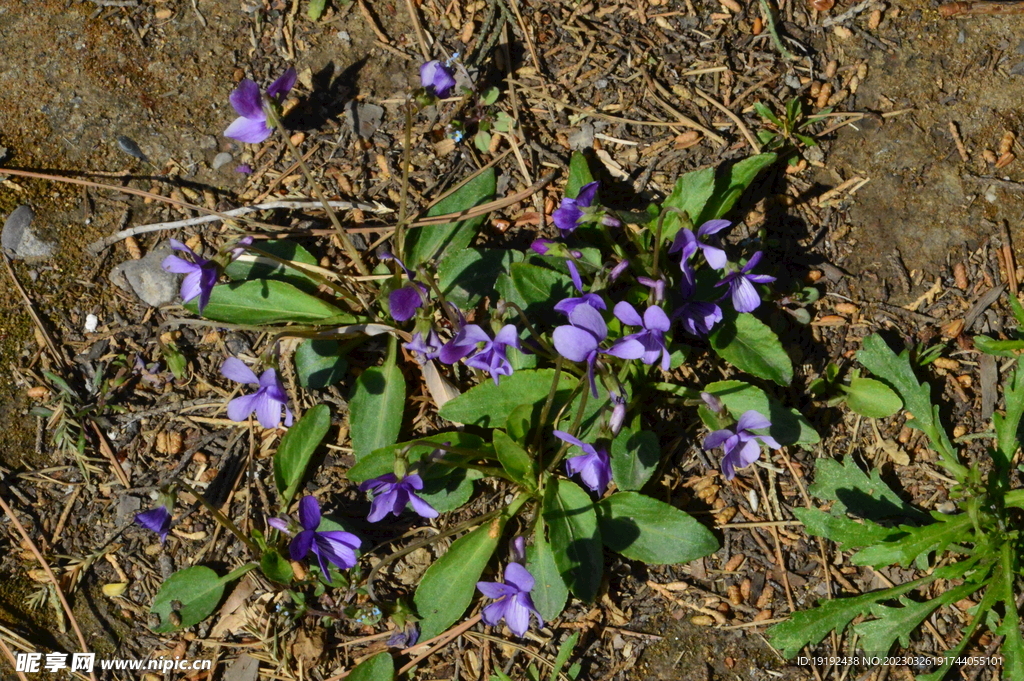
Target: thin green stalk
pixel 312 274
pixel 346 243
pixel 546 409
pixel 584 396
pixel 773 30
pixel 218 516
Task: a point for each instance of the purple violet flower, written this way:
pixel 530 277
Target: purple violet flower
pixel 266 402
pixel 593 466
pixel 657 287
pixel 437 77
pixel 425 348
pixel 567 305
pixel 618 270
pixel 687 242
pixel 251 124
pixel 244 169
pixel 391 496
pixel 570 212
pixel 513 600
pixel 578 340
pixel 741 285
pixel 517 550
pixel 644 345
pixel 200 274
pixel 618 416
pixel 491 357
pixel 158 520
pixel 698 317
pixel 405 637
pixel 334 546
pixel 541 246
pixel 406 300
pixel 742 447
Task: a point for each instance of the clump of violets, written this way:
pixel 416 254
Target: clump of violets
pixel 491 356
pixel 742 447
pixel 513 603
pixel 644 345
pixel 741 285
pixel 200 274
pixel 391 495
pixel 332 546
pixel 267 401
pixel 572 213
pixel 156 520
pixel 437 78
pixel 593 466
pixel 252 126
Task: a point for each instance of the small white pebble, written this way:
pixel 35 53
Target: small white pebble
pixel 752 498
pixel 92 322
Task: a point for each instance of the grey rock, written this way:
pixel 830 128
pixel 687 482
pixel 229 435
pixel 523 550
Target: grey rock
pixel 146 278
pixel 583 138
pixel 127 507
pixel 207 142
pixel 221 160
pixel 364 118
pixel 1017 69
pixel 19 239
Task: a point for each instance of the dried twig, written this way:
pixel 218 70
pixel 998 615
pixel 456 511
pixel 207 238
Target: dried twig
pixel 751 140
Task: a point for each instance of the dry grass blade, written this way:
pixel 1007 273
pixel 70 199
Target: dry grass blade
pixel 49 574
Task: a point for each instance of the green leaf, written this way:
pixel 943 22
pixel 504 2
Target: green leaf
pixel 549 589
pixel 319 363
pixel 514 459
pixel 254 266
pixel 380 667
pixel 634 458
pixel 434 241
pixel 917 541
pixel 267 301
pixel 376 406
pixel 490 95
pixel 749 345
pixel 691 192
pixel 897 372
pixel 381 461
pixel 540 288
pixel 764 112
pixel 297 447
pixel 315 9
pixel 854 491
pixel 788 425
pixel 871 398
pixel 448 585
pixel 1007 427
pixel 276 567
pixel 482 141
pixel 849 534
pixel 490 405
pixel 809 627
pixel 1000 348
pixel 519 422
pixel 447 488
pixel 730 183
pixel 579 175
pixel 564 651
pixel 1013 645
pixel 878 635
pixel 176 361
pixel 645 529
pixel 575 537
pixel 466 276
pixel 197 590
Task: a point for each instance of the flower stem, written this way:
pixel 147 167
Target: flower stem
pixel 218 516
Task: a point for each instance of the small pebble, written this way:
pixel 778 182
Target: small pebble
pixel 92 322
pixel 20 239
pixel 221 160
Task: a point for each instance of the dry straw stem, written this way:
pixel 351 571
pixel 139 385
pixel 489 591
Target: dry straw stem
pixel 55 352
pixel 49 574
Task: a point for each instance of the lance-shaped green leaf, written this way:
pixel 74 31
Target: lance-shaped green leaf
pixel 540 288
pixel 999 348
pixel 575 538
pixel 549 589
pixel 863 494
pixel 514 459
pixel 191 595
pixel 1008 426
pixel 879 634
pixel 447 587
pixel 376 406
pixel 749 345
pixel 380 667
pixel 297 447
pixel 642 528
pixel 320 363
pixel 579 175
pixel 730 183
pixel 897 372
pixel 1010 627
pixel 634 458
pixel 276 567
pixel 871 398
pixel 381 461
pixel 267 301
pixel 690 194
pixel 467 275
pixel 434 241
pixel 254 266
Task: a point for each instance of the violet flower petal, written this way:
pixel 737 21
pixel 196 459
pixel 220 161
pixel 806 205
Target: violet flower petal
pixel 280 87
pixel 249 130
pixel 627 314
pixel 246 100
pixel 309 512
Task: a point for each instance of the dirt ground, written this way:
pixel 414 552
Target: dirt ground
pixel 935 95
